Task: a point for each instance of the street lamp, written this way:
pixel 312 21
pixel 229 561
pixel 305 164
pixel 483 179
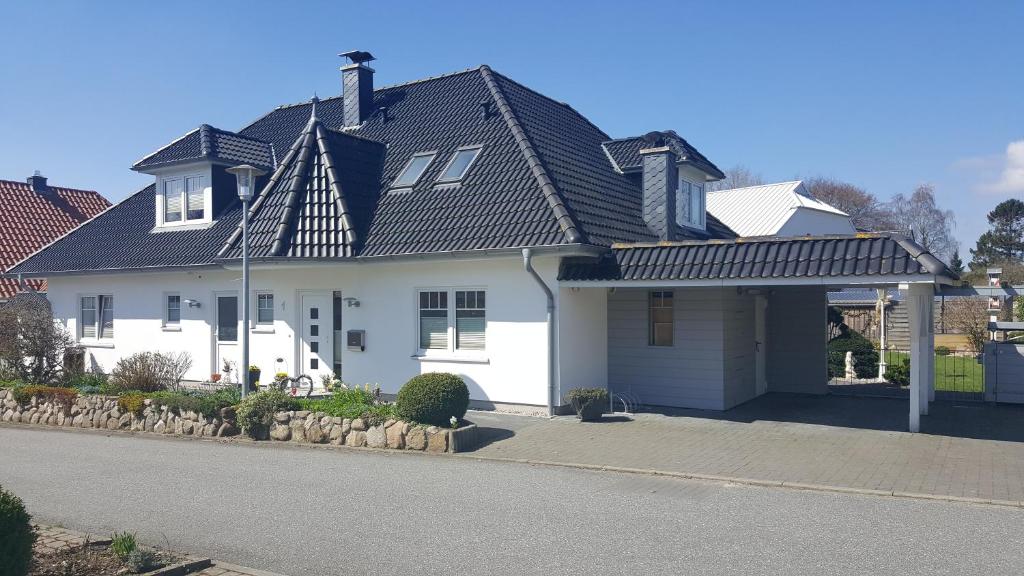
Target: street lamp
pixel 246 176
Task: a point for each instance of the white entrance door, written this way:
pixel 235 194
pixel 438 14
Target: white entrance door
pixel 760 336
pixel 225 335
pixel 316 346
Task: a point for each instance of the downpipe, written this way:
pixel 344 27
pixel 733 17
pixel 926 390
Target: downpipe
pixel 528 266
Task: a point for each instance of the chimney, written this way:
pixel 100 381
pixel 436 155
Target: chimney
pixel 660 179
pixel 38 183
pixel 357 87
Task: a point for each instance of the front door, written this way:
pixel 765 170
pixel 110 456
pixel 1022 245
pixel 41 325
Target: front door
pixel 760 335
pixel 316 345
pixel 226 336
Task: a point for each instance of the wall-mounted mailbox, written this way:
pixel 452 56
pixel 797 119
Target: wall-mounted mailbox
pixel 357 340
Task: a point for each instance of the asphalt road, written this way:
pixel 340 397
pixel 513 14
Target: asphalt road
pixel 301 511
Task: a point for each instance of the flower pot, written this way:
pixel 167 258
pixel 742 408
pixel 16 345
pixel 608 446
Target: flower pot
pixel 590 412
pixel 254 379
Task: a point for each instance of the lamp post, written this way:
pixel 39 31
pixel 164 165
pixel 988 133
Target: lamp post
pixel 246 176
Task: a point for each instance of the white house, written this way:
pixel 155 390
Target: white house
pixel 462 223
pixel 781 209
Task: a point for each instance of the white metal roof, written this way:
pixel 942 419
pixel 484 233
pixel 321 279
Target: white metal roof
pixel 764 210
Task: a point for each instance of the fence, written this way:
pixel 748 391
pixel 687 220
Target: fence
pixel 959 374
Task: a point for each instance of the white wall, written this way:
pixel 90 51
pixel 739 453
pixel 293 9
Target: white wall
pixel 805 222
pixel 710 354
pixel 513 369
pixel 582 339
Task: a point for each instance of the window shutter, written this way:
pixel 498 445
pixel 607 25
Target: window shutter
pixel 433 330
pixel 88 317
pixel 172 200
pixel 106 316
pixel 470 319
pixel 196 198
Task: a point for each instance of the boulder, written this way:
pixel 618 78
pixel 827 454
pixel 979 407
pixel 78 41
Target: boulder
pixel 113 423
pixel 437 441
pixel 416 439
pixel 227 413
pixel 356 438
pixel 359 424
pixel 395 437
pixel 187 427
pixel 159 427
pixel 376 437
pixel 77 420
pixel 325 421
pixel 280 432
pixel 315 434
pixel 210 429
pixel 298 430
pixel 336 435
pixel 227 429
pixel 301 414
pixel 346 426
pixel 150 422
pixel 282 417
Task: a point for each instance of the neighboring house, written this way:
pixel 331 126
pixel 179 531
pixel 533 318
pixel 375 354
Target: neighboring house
pixel 33 214
pixel 461 223
pixel 859 308
pixel 782 209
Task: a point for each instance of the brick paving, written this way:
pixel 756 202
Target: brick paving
pixel 969 451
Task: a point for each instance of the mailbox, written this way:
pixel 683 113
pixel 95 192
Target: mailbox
pixel 357 340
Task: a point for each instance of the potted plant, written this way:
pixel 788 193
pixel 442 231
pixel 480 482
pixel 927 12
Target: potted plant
pixel 215 377
pixel 589 403
pixel 254 377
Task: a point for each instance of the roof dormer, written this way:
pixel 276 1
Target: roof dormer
pixel 192 187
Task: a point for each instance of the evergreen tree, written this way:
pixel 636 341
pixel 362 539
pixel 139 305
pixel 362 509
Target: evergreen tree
pixel 955 263
pixel 1005 240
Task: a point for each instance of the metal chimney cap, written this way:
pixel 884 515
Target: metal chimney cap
pixel 357 56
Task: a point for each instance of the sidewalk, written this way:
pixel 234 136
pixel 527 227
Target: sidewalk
pixel 831 443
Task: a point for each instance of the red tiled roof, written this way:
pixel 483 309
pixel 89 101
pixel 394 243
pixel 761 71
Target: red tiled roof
pixel 30 220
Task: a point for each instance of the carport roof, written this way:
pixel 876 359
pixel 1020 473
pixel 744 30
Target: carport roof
pixel 881 257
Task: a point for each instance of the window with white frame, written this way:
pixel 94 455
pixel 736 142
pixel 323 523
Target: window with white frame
pixel 661 323
pixel 265 308
pixel 96 316
pixel 690 204
pixel 184 199
pixel 172 310
pixel 462 327
pixel 459 165
pixel 415 168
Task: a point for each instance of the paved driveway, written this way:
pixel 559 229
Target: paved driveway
pixel 973 451
pixel 327 511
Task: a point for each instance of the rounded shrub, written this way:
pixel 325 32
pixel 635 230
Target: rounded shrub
pixel 942 351
pixel 256 413
pixel 433 398
pixel 16 536
pixel 864 355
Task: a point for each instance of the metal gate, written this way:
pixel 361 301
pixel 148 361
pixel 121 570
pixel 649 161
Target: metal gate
pixel 960 375
pixel 1004 371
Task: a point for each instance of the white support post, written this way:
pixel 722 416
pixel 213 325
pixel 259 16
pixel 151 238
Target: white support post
pixel 881 332
pixel 918 293
pixel 930 349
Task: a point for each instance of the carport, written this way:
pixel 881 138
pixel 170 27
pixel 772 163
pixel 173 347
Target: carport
pixel 712 324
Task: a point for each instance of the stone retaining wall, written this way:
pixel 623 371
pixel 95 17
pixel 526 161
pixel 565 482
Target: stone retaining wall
pixel 102 412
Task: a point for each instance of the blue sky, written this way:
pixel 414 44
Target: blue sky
pixel 885 95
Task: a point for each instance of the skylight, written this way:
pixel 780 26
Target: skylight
pixel 459 164
pixel 414 169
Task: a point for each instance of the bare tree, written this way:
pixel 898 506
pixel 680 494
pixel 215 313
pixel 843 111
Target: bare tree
pixel 930 226
pixel 32 345
pixel 969 316
pixel 738 176
pixel 864 209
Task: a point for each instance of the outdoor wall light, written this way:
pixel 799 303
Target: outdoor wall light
pixel 351 302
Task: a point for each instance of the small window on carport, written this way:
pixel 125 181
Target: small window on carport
pixel 660 318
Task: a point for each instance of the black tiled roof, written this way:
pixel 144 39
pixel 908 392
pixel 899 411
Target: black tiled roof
pixel 760 259
pixel 625 152
pixel 209 143
pixel 542 178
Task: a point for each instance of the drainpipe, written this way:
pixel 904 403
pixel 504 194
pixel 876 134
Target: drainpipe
pixel 528 265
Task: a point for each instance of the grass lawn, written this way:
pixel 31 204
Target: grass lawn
pixel 952 373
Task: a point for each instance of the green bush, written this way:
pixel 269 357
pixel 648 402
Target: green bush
pixel 132 402
pixel 589 403
pixel 864 355
pixel 899 373
pixel 22 394
pixel 92 382
pixel 350 403
pixel 142 371
pixel 942 351
pixel 256 412
pixel 433 398
pixel 16 536
pixel 123 544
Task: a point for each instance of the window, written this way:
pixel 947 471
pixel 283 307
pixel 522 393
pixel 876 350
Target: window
pixel 690 206
pixel 97 316
pixel 172 316
pixel 442 328
pixel 184 199
pixel 227 318
pixel 414 169
pixel 433 320
pixel 660 318
pixel 264 308
pixel 459 164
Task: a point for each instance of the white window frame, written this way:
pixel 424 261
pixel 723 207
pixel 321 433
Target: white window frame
pixel 166 303
pixel 651 296
pixel 696 203
pixel 432 154
pixel 451 351
pixel 479 149
pixel 99 334
pixel 203 174
pixel 264 326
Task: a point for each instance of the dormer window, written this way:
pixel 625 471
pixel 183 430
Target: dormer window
pixel 184 197
pixel 412 172
pixel 459 165
pixel 691 208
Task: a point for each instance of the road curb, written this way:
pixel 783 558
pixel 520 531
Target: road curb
pixel 243 569
pixel 756 481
